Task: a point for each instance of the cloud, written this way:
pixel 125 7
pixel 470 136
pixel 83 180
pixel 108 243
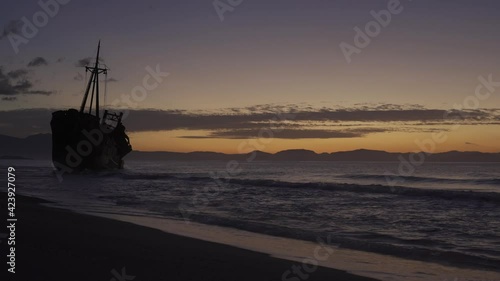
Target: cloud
pixel 289 121
pixel 25 122
pixel 86 61
pixel 11 28
pixel 15 74
pixel 38 61
pixel 258 117
pixel 83 62
pixel 112 80
pixel 288 134
pixel 16 82
pixel 40 92
pixel 78 77
pixel 22 86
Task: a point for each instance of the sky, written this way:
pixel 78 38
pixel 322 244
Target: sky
pixel 266 75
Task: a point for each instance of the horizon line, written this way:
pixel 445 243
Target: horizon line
pixel 317 153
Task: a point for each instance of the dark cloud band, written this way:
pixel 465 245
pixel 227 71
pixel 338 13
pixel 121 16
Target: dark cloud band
pixel 293 123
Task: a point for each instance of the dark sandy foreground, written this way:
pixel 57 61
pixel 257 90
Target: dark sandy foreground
pixel 54 244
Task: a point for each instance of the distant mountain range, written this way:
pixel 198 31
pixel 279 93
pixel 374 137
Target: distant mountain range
pixel 40 147
pixel 308 155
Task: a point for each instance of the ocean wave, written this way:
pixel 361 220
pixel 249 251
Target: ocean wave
pixel 426 179
pixel 423 249
pixel 378 189
pixel 157 176
pixel 336 187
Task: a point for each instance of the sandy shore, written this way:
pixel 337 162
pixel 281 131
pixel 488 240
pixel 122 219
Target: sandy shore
pixel 55 244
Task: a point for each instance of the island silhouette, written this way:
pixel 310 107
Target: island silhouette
pixel 39 147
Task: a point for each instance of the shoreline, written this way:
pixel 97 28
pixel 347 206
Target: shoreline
pixel 357 262
pixel 58 244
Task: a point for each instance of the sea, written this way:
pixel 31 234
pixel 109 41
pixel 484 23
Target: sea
pixel 443 213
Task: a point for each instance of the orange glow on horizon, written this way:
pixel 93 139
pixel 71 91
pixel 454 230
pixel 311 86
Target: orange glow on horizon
pixel 466 138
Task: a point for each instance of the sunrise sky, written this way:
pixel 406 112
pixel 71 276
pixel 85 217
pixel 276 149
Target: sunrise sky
pixel 267 66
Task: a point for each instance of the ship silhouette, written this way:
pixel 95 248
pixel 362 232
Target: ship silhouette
pixel 81 139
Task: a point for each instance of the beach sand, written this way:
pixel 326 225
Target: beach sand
pixel 56 244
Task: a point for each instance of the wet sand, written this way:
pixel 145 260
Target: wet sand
pixel 56 244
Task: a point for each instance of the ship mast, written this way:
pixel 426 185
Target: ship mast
pixel 94 83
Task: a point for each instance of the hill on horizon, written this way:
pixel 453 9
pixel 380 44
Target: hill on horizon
pixel 40 146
